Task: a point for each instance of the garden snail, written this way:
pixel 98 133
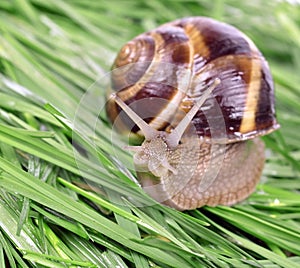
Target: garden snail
pixel 194 73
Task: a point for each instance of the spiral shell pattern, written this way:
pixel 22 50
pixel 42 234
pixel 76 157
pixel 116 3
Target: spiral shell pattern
pixel 176 61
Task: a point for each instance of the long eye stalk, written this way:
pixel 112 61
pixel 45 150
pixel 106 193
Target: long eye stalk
pixel 174 137
pixel 147 130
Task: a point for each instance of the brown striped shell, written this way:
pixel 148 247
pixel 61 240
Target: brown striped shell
pixel 164 75
pixel 208 49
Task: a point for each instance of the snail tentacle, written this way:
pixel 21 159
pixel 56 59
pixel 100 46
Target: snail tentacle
pixel 147 130
pixel 175 136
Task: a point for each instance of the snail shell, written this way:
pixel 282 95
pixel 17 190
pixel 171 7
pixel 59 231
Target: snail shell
pixel 171 67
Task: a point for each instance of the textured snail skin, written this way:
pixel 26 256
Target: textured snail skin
pixel 240 171
pixel 206 49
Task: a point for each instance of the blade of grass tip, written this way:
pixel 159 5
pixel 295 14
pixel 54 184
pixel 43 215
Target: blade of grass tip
pixel 274 146
pixel 9 153
pixel 62 137
pixel 125 222
pixel 34 133
pixel 290 26
pixel 60 247
pixel 25 7
pixel 280 139
pixel 85 250
pixel 112 260
pixel 19 259
pixel 98 200
pixel 289 216
pixel 41 232
pixel 295 259
pixel 43 170
pixel 9 68
pixel 9 200
pixel 15 89
pixel 43 261
pixel 31 121
pixel 165 245
pixel 160 7
pixel 9 223
pixel 216 259
pixel 277 170
pixel 23 215
pixel 2 263
pixel 70 12
pixel 44 257
pixel 16 104
pixel 287 197
pixel 155 213
pixel 7 249
pixel 274 248
pixel 153 225
pixel 9 119
pixel 184 217
pixel 184 236
pixel 218 10
pixel 107 243
pixel 139 260
pixel 53 261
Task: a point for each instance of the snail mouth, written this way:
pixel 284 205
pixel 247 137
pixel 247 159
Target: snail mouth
pixel 161 167
pixel 153 186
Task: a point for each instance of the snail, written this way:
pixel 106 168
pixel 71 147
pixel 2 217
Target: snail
pixel 201 94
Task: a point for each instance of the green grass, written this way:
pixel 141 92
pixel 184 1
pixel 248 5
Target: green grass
pixel 51 52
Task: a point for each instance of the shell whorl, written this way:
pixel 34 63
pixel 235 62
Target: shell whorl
pixel 176 61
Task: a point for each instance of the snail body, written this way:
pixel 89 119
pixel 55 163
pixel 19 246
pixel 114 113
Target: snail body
pixel 201 145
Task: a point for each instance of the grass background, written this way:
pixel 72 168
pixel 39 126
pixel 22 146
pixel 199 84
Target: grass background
pixel 51 52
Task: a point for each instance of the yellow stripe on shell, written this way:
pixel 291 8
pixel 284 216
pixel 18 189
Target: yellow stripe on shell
pixel 253 92
pixel 197 42
pixel 184 76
